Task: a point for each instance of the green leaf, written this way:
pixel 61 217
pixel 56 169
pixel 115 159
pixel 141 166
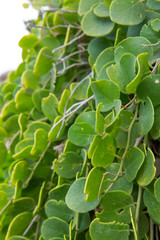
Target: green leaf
pixel 93 145
pixel 127 12
pixel 99 120
pixel 97 45
pixel 9 109
pixel 3 153
pixel 54 227
pixel 106 92
pixel 143 70
pixel 132 163
pixel 53 133
pixel 156 24
pixel 81 92
pixel 103 72
pixel 59 209
pixel 93 183
pixel 43 62
pixel 155 131
pixel 21 172
pixel 153 206
pixel 153 4
pixel 28 41
pixel 19 224
pixel 115 206
pixel 103 58
pixel 96 26
pixel 112 116
pixel 20 205
pixel 64 99
pixel 23 101
pixel 85 6
pixel 37 97
pixel 76 200
pixel 104 152
pixel 7 189
pixel 59 192
pixel 68 164
pixel 40 142
pixel 11 125
pixel 134 46
pixel 122 73
pixel 29 80
pixel 147 172
pixel 145 123
pixel 149 83
pixel 3 199
pixel 49 106
pixel 101 10
pixel 81 134
pixel 157 189
pixel 32 127
pixel 100 230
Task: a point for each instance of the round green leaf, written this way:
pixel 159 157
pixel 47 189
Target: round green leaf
pixel 150 87
pixel 96 26
pixel 68 164
pixel 85 6
pixel 155 131
pixel 32 127
pixel 157 189
pixel 104 152
pixel 29 80
pixel 81 134
pixel 153 206
pixel 3 153
pixel 123 72
pixel 76 199
pixel 93 182
pixel 127 12
pixel 101 10
pixel 28 41
pixel 40 142
pixel 19 224
pixel 104 57
pixel 23 101
pixel 54 227
pixel 134 46
pixel 132 163
pixel 100 230
pixel 20 172
pixel 43 62
pixel 145 123
pixel 59 209
pixel 106 92
pixel 147 172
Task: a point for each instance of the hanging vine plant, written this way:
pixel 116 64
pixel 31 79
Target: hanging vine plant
pixel 80 124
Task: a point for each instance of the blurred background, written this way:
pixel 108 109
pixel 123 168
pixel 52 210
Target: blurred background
pixel 13 14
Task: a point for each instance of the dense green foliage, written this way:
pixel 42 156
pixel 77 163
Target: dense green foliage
pixel 80 124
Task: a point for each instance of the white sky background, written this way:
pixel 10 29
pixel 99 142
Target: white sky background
pixel 12 29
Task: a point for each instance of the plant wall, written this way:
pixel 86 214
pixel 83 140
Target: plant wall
pixel 80 124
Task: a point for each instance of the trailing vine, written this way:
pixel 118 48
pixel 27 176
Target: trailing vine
pixel 80 124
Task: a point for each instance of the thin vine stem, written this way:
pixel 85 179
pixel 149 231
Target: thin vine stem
pixel 30 225
pixel 35 166
pixel 138 208
pixel 65 107
pixel 133 225
pixel 75 110
pixel 69 43
pixel 125 151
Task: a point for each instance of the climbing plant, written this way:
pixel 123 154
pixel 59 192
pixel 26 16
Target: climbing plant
pixel 80 124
